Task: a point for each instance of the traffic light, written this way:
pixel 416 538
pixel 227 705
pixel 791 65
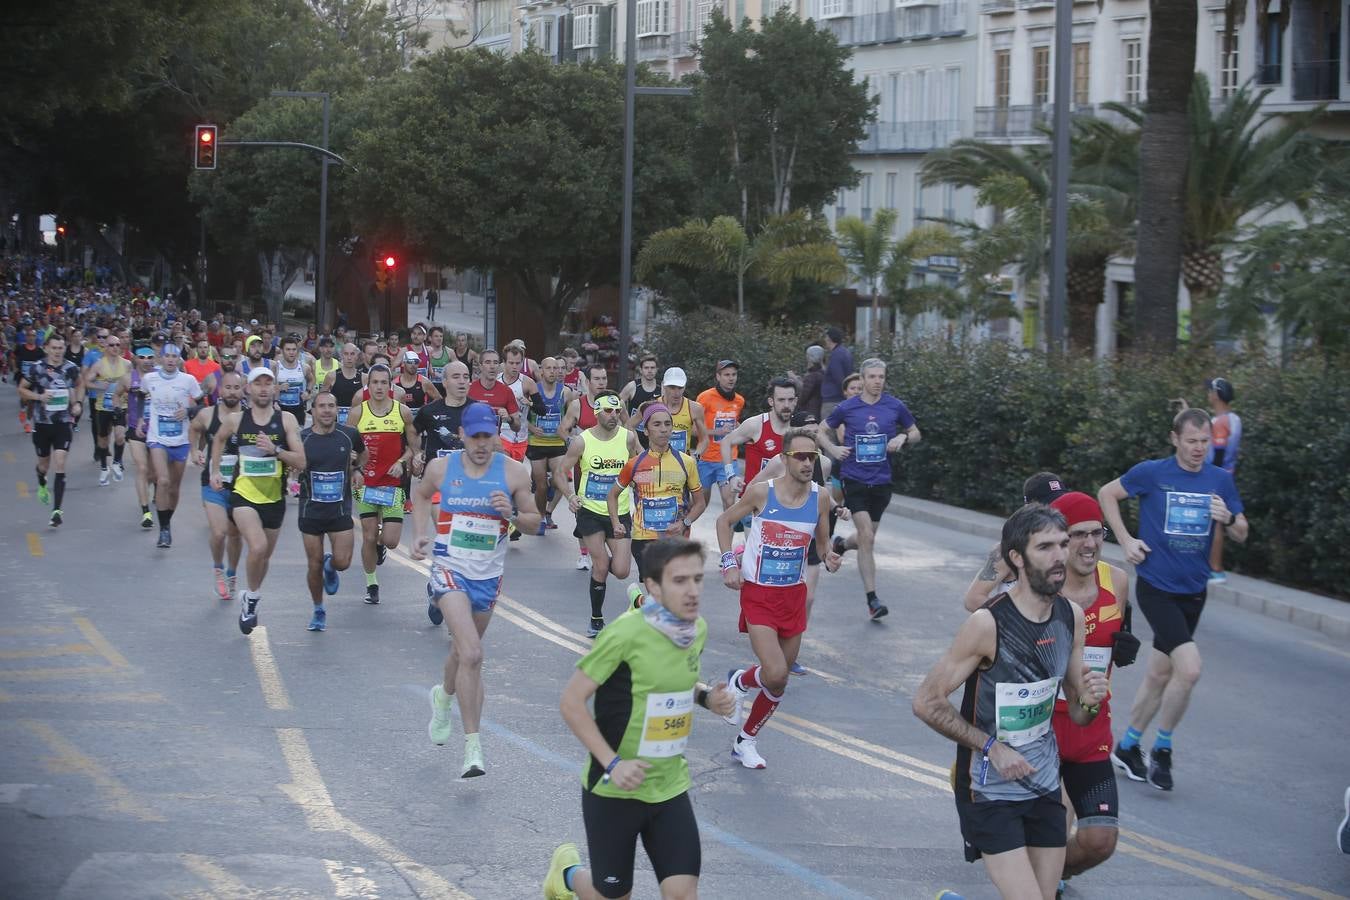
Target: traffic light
pixel 385 264
pixel 206 147
pixel 390 262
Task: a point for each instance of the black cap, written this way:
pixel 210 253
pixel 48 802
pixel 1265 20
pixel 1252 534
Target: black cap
pixel 1043 487
pixel 834 334
pixel 727 364
pixel 1222 387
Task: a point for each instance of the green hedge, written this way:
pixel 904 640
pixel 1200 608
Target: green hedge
pixel 991 414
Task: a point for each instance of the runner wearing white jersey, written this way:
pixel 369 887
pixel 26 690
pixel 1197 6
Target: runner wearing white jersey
pixel 171 394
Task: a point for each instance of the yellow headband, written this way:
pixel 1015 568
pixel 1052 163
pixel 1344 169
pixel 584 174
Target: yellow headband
pixel 608 401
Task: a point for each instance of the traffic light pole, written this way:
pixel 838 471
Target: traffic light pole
pixel 321 276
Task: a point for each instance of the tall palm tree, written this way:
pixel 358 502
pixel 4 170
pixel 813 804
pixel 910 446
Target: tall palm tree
pixel 789 247
pixel 882 263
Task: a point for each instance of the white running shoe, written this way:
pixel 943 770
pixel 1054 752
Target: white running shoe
pixel 103 476
pixel 584 562
pixel 440 726
pixel 738 694
pixel 745 751
pixel 117 471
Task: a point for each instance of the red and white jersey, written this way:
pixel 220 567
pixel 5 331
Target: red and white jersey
pixel 775 548
pixel 766 445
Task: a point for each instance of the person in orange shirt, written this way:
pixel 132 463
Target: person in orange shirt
pixel 203 367
pixel 722 408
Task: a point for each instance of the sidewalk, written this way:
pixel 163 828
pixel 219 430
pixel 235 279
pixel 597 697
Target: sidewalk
pixel 1323 614
pixel 452 314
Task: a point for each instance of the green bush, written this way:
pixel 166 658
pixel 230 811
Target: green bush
pixel 992 414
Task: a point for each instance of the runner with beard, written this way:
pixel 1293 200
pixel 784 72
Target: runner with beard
pixel 223 536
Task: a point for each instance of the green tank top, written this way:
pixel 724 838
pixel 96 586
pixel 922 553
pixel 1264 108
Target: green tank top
pixel 601 462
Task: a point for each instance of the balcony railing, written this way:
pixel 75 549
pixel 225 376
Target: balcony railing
pixel 654 46
pixel 904 137
pixel 1317 80
pixel 1269 73
pixel 1019 121
pixel 994 7
pixel 910 23
pixel 682 43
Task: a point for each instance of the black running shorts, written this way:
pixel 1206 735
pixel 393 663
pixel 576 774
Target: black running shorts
pixel 669 834
pixel 869 498
pixel 52 436
pixel 105 420
pixel 997 826
pixel 532 452
pixel 270 514
pixel 589 522
pixel 320 527
pixel 1091 787
pixel 1173 617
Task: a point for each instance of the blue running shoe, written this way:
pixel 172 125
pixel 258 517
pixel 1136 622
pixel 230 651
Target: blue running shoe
pixel 320 619
pixel 433 608
pixel 797 669
pixel 330 578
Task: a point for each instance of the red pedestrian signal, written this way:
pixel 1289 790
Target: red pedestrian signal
pixel 206 147
pixel 390 262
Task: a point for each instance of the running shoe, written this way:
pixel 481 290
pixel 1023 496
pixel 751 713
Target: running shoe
pixel 440 726
pixel 56 519
pixel 373 594
pixel 433 608
pixel 635 595
pixel 596 626
pixel 839 545
pixel 739 694
pixel 797 669
pixel 381 552
pixel 147 520
pixel 473 762
pixel 514 533
pixel 1218 577
pixel 1343 832
pixel 248 613
pixel 1160 768
pixel 948 894
pixel 876 609
pixel 330 575
pixel 103 477
pixel 584 562
pixel 45 497
pixel 319 621
pixel 222 589
pixel 555 882
pixel 549 523
pixel 165 539
pixel 118 473
pixel 230 582
pixel 1130 762
pixel 744 751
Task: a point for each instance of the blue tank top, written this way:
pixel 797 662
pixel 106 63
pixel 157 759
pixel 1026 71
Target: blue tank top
pixel 470 535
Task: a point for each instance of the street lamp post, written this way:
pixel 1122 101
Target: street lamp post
pixel 321 276
pixel 1059 184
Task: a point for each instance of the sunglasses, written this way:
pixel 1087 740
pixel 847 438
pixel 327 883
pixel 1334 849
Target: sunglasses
pixel 1095 534
pixel 802 455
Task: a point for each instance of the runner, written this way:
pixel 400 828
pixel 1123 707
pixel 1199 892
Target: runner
pixel 438 357
pixel 109 413
pixel 345 382
pixel 294 379
pixel 1013 655
pixel 437 423
pixel 216 502
pixel 203 367
pixel 761 435
pixel 515 436
pixel 875 424
pixel 546 444
pixel 481 492
pixel 170 394
pixel 486 388
pixel 266 439
pixel 601 452
pixel 581 414
pixel 668 493
pixel 53 388
pixel 690 434
pixel 254 349
pixel 333 454
pixel 787 513
pixel 722 408
pixel 130 390
pixel 28 353
pixel 642 389
pixel 417 389
pixel 386 428
pixel 1181 497
pixel 643 676
pixel 462 352
pixel 325 363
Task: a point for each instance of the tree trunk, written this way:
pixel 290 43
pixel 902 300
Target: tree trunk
pixel 1086 285
pixel 278 271
pixel 1164 158
pixel 1202 272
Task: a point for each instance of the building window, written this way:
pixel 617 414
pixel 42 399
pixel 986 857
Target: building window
pixel 773 6
pixel 918 198
pixel 1040 75
pixel 653 17
pixel 953 110
pixel 1271 70
pixel 1082 74
pixel 890 190
pixel 584 27
pixel 952 17
pixel 705 11
pixel 494 18
pixel 949 201
pixel 1132 59
pixel 865 190
pixel 541 35
pixel 1002 78
pixel 1227 46
pixel 841 204
pixel 834 8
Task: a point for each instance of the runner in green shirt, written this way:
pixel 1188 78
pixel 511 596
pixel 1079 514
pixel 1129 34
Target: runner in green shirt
pixel 643 674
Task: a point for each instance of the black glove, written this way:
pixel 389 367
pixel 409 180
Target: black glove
pixel 537 404
pixel 1124 648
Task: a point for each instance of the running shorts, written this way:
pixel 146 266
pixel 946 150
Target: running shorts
pixel 532 452
pixel 219 498
pixel 589 522
pixel 1091 787
pixel 668 830
pixel 482 592
pixel 710 473
pixel 869 498
pixel 105 420
pixel 297 411
pixel 270 514
pixel 515 449
pixel 388 512
pixel 177 453
pixel 52 436
pixel 320 527
pixel 997 826
pixel 1173 617
pixel 780 608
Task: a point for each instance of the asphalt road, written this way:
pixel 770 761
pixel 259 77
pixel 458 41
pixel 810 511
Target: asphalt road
pixel 148 749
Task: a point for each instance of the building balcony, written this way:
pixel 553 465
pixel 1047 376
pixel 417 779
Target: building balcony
pixel 1317 80
pixel 682 43
pixel 1269 73
pixel 996 7
pixel 1036 4
pixel 654 46
pixel 909 137
pixel 1019 121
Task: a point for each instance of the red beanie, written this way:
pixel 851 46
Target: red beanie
pixel 1077 507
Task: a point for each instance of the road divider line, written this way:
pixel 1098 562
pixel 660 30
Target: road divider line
pixel 1320 646
pixel 273 690
pixel 26 630
pixel 9 456
pixel 68 758
pixel 23 490
pixel 100 643
pixel 941 784
pixel 1235 868
pixel 308 791
pixel 867 746
pixel 62 672
pixel 1202 874
pixel 544 620
pixel 539 632
pixel 43 652
pixel 34 544
pixel 348 881
pixel 85 697
pixel 221 882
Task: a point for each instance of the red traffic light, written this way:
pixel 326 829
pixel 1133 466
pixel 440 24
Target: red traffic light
pixel 205 155
pixel 206 137
pixel 390 262
pixel 61 229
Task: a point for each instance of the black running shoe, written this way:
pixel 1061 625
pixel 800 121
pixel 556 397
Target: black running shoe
pixel 381 551
pixel 373 594
pixel 1130 762
pixel 1160 768
pixel 876 609
pixel 56 519
pixel 248 614
pixel 838 545
pixel 165 539
pixel 597 626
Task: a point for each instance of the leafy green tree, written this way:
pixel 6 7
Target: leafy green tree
pixel 884 265
pixel 786 249
pixel 514 164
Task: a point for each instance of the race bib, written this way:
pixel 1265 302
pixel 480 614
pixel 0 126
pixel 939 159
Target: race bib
pixel 342 414
pixel 377 496
pixel 1023 710
pixel 1098 659
pixel 440 453
pixel 326 487
pixel 259 466
pixel 290 395
pixel 659 513
pixel 56 400
pixel 781 566
pixel 1187 514
pixel 679 440
pixel 869 448
pixel 438 374
pixel 474 537
pixel 724 423
pixel 549 423
pixel 229 464
pixel 597 486
pixel 665 730
pixel 169 427
pixel 107 400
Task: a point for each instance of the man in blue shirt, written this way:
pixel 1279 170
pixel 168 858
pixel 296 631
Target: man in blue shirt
pixel 1181 497
pixel 838 367
pixel 876 425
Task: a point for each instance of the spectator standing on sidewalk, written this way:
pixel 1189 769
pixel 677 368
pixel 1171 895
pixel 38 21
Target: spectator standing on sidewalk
pixel 433 300
pixel 838 366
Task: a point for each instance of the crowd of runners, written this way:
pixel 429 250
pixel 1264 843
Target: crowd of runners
pixel 478 447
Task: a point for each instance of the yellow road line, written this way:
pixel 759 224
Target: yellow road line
pixel 514 619
pixel 86 697
pixel 869 747
pixel 220 881
pixel 42 652
pixel 1320 646
pixel 34 544
pixel 23 490
pixel 274 691
pixel 544 620
pixel 62 672
pixel 308 791
pixel 1202 874
pixel 69 759
pixel 857 756
pixel 100 643
pixel 9 456
pixel 1235 868
pixel 24 630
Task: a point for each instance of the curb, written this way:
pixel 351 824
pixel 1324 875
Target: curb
pixel 1306 610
